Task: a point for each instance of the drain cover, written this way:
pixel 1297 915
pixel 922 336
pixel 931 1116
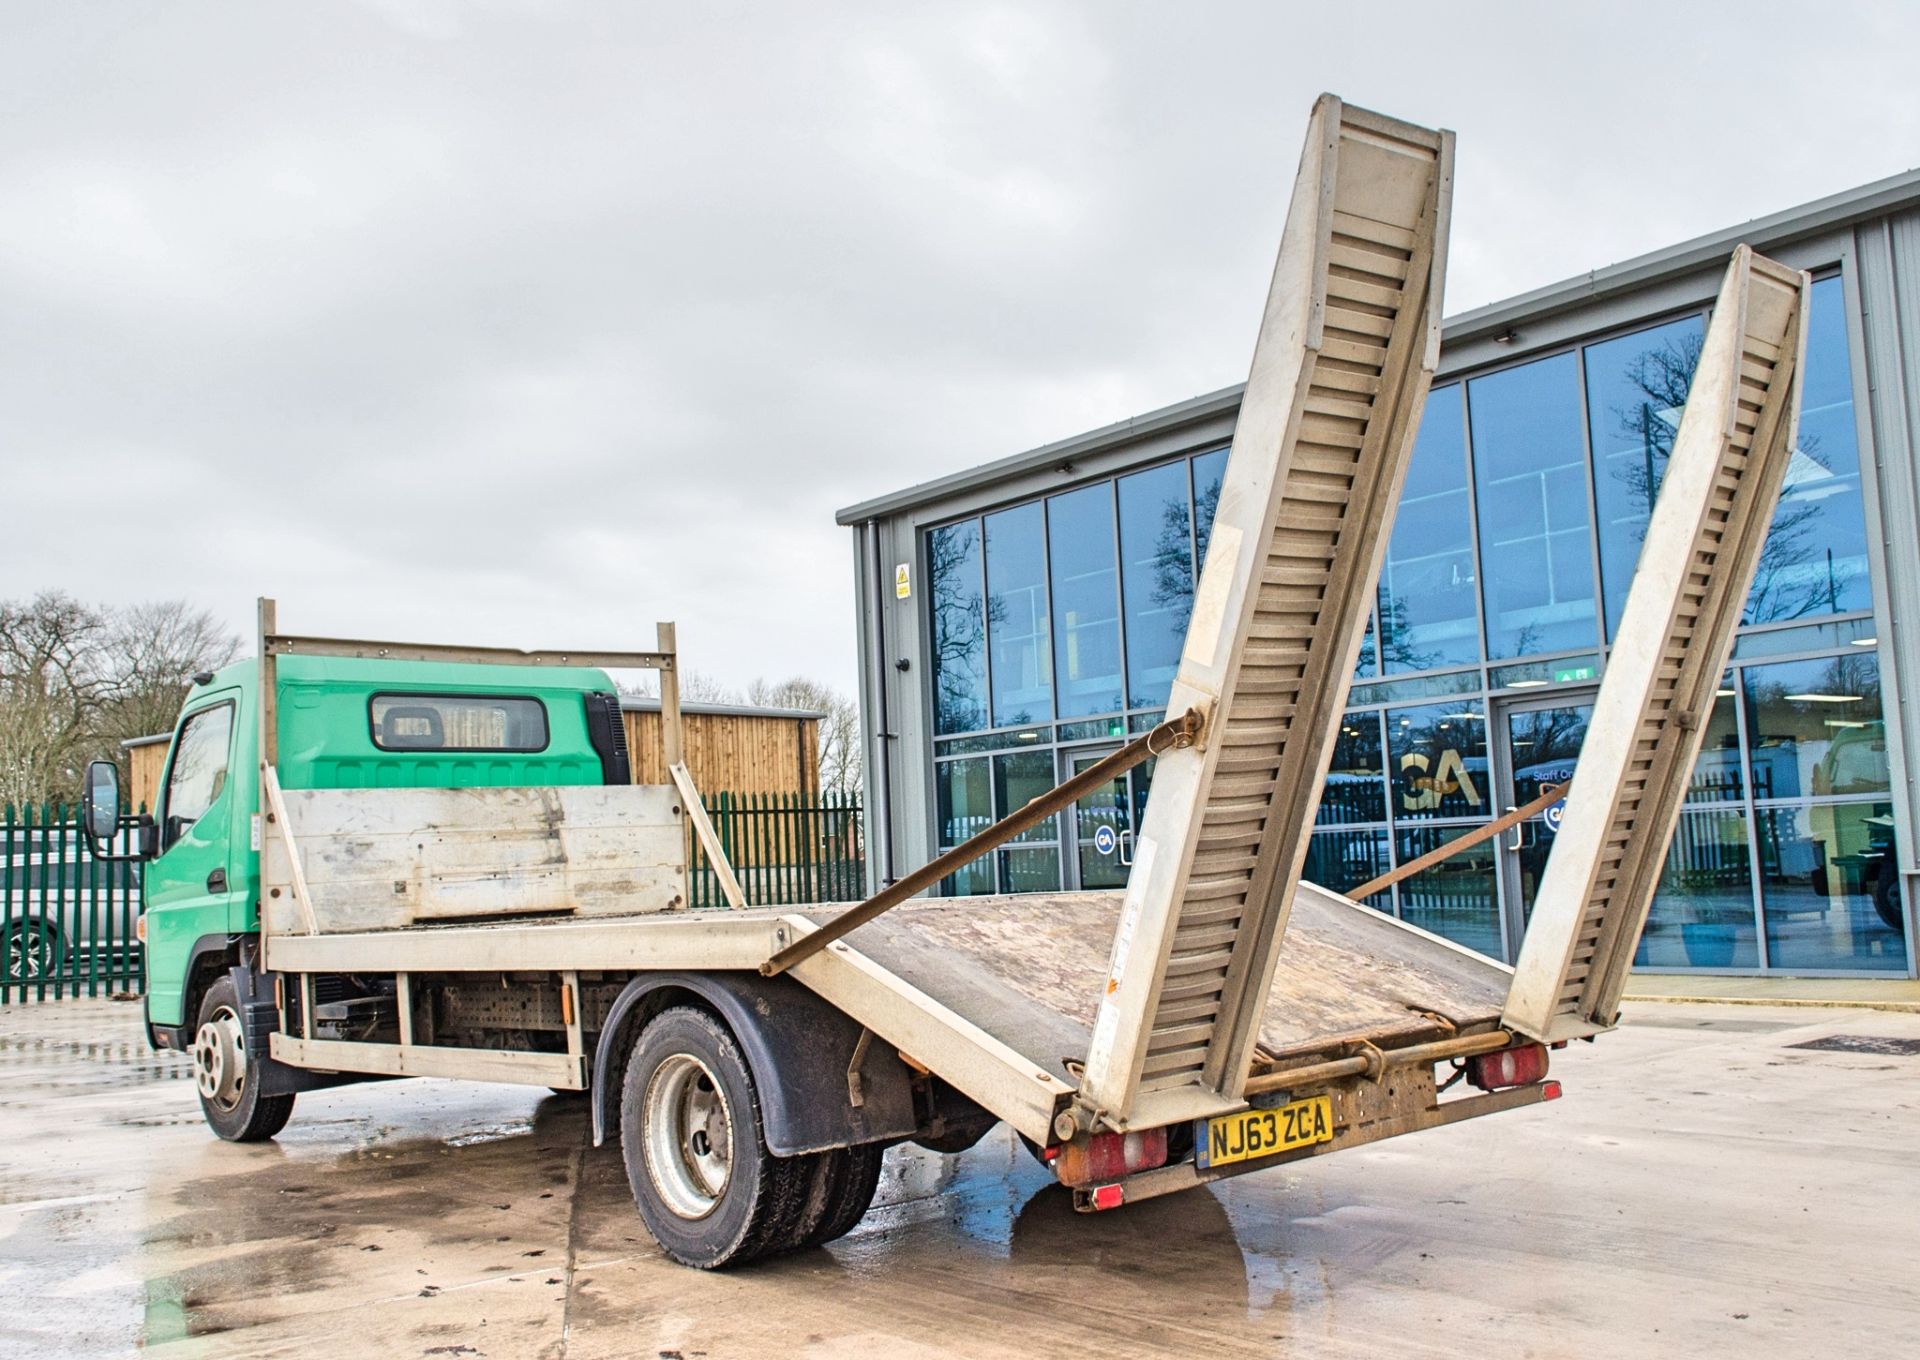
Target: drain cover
pixel 1864 1043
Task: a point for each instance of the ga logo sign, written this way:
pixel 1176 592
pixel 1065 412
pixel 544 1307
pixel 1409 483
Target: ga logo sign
pixel 1429 784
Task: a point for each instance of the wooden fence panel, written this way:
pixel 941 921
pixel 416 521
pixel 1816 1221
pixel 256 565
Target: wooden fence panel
pixel 742 753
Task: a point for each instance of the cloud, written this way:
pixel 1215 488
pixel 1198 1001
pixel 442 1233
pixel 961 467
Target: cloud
pixel 535 324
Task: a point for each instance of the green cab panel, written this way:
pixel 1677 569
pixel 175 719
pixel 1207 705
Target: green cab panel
pixel 338 720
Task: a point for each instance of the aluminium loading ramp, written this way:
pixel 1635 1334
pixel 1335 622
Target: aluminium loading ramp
pixel 1340 372
pixel 1064 1014
pixel 1703 544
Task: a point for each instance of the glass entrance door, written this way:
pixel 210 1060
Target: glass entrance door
pixel 1537 742
pixel 1104 822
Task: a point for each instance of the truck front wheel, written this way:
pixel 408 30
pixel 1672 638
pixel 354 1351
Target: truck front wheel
pixel 223 1072
pixel 708 1188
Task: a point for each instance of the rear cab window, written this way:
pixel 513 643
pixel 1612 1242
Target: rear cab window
pixel 457 722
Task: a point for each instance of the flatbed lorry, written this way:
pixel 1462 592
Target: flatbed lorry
pixel 375 860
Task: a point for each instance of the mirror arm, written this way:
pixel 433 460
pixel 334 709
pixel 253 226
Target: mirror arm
pixel 146 843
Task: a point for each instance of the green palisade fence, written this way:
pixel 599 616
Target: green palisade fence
pixel 67 919
pixel 785 848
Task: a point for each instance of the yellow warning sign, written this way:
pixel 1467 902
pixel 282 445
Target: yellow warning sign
pixel 902 581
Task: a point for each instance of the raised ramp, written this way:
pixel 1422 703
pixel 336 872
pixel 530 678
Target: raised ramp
pixel 1340 371
pixel 1703 542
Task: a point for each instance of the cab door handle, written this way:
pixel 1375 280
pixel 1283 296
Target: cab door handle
pixel 217 881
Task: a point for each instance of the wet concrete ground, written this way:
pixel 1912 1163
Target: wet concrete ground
pixel 1705 1188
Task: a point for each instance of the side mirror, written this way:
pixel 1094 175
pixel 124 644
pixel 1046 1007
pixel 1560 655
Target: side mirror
pixel 100 802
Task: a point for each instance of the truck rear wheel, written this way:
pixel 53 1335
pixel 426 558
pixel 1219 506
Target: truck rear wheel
pixel 229 1097
pixel 845 1181
pixel 707 1187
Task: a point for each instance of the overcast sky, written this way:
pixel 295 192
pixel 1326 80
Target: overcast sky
pixel 533 323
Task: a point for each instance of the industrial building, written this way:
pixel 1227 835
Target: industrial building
pixel 1018 620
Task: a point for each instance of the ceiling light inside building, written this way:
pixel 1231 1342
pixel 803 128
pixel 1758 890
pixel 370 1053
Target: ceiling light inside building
pixel 1823 698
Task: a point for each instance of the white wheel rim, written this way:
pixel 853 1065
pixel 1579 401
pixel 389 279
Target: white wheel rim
pixel 28 954
pixel 220 1060
pixel 689 1136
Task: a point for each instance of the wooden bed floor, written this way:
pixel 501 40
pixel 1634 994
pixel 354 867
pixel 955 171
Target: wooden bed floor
pixel 1030 970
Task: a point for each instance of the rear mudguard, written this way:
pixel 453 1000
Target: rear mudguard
pixel 798 1047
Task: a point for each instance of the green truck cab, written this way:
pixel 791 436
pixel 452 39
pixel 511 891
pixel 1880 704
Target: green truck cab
pixel 343 723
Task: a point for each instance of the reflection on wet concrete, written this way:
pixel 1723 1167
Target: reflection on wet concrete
pixel 420 1218
pixel 428 1215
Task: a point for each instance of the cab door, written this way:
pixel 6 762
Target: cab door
pixel 190 889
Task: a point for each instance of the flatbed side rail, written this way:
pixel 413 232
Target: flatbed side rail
pixel 1703 544
pixel 1340 373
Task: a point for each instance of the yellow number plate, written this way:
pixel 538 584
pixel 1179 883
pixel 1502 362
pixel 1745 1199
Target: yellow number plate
pixel 1261 1133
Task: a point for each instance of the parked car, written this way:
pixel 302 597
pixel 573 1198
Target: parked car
pixel 59 910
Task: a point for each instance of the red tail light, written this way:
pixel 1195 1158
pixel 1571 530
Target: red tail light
pixel 1110 1156
pixel 1520 1066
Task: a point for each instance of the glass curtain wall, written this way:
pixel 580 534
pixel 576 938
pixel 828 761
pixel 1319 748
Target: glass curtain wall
pixel 1056 628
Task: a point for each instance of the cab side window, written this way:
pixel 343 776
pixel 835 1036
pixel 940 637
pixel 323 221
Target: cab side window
pixel 198 774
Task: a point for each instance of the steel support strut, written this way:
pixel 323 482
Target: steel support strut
pixel 1175 734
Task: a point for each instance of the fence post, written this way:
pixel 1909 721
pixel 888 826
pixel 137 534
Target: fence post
pixel 809 845
pixel 6 907
pixel 46 812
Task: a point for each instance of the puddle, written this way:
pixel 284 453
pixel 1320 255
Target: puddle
pixel 1879 1045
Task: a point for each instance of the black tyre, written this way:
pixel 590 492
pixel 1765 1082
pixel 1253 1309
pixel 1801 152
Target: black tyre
pixel 846 1180
pixel 1887 896
pixel 32 951
pixel 706 1185
pixel 223 1072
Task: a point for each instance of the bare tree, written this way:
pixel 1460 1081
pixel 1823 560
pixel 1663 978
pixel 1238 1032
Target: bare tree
pixel 53 681
pixel 960 619
pixel 1796 575
pixel 76 680
pixel 157 649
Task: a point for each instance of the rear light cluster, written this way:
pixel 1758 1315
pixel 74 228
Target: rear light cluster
pixel 1521 1066
pixel 1108 1157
